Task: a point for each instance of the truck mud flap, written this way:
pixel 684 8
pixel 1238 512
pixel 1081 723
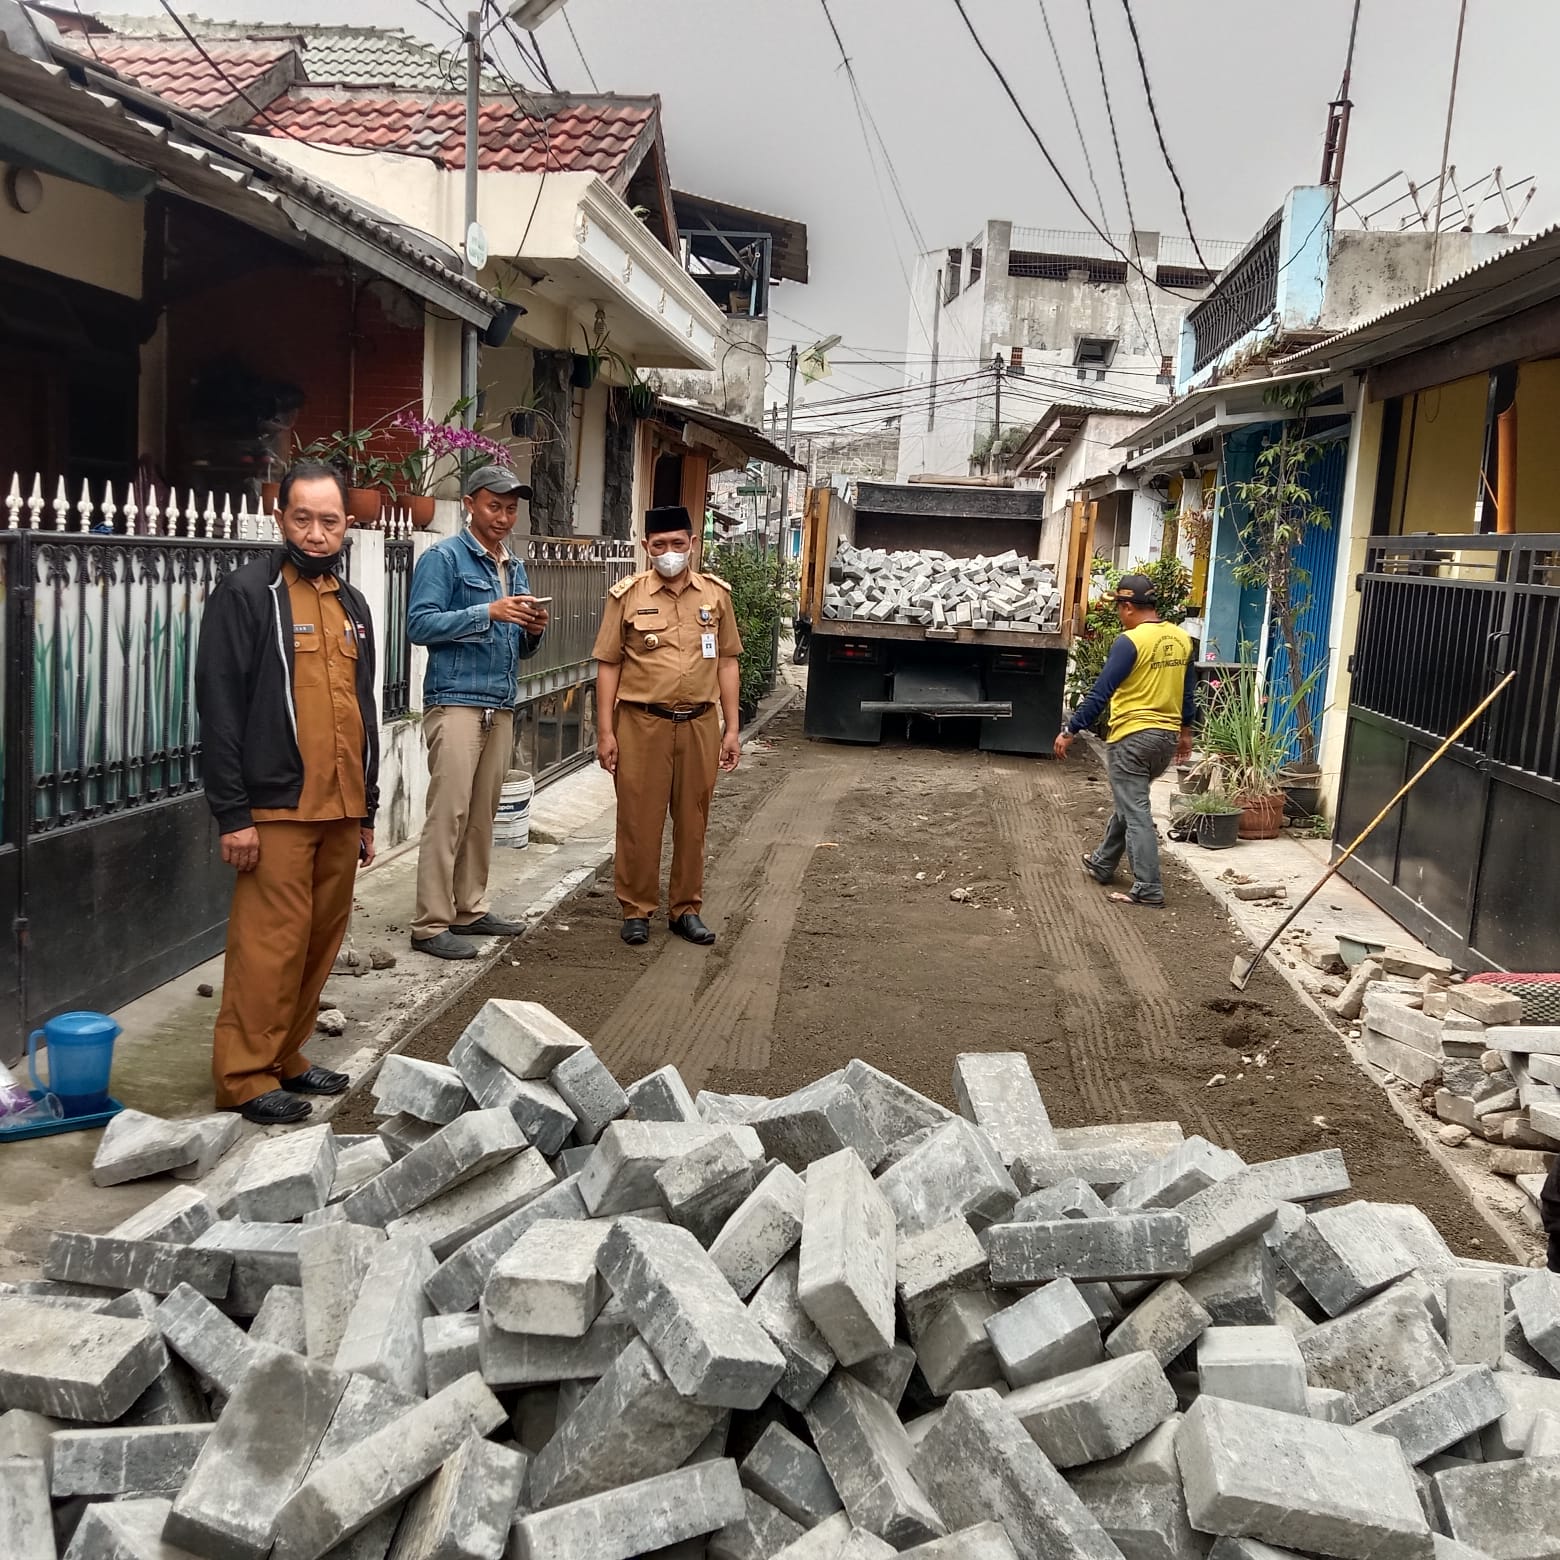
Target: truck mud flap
pixel 842 675
pixel 1034 684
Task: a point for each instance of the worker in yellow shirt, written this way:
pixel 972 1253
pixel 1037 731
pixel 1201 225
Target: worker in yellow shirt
pixel 1150 684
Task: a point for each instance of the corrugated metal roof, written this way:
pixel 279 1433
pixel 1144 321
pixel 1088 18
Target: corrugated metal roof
pixel 1490 290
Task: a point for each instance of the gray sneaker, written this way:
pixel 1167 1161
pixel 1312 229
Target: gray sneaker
pixel 445 946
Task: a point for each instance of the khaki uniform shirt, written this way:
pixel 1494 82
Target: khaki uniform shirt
pixel 330 720
pixel 661 637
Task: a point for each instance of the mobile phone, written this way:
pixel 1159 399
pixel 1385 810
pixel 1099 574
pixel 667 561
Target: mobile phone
pixel 538 601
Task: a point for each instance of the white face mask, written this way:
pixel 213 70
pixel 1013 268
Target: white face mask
pixel 670 564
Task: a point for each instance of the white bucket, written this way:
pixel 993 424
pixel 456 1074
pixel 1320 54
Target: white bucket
pixel 512 826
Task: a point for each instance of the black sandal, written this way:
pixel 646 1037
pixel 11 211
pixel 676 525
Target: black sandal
pixel 276 1109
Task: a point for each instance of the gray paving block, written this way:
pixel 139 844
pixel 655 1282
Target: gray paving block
pixel 1378 1353
pixel 726 1110
pixel 351 1489
pixel 430 1091
pixel 547 1283
pixel 26 1434
pixel 1048 1333
pixel 1344 1255
pixel 1072 1199
pixel 1096 1412
pixel 175 1398
pixel 1164 1324
pixel 264 1255
pixel 846 1279
pixel 828 1540
pixel 887 1374
pixel 74 1364
pixel 1188 1168
pixel 177 1216
pixel 570 1161
pixel 816 1121
pixel 777 1308
pixel 1238 1289
pixel 977 1462
pixel 450 1348
pixel 621 1174
pixel 286 1176
pixel 1526 1398
pixel 997 1091
pixel 454 1217
pixel 1388 1015
pixel 213 1346
pixel 634 1519
pixel 357 1165
pixel 464 1511
pixel 524 1360
pixel 1437 1417
pixel 685 1310
pixel 894 1110
pixel 135 1145
pixel 867 1454
pixel 953 1173
pixel 333 1260
pixel 590 1091
pixel 383 1335
pixel 280 1320
pixel 1149 1461
pixel 453 1155
pixel 1328 1404
pixel 791 1476
pixel 1504 1510
pixel 701 1189
pixel 1146 1521
pixel 954 1349
pixel 632 1424
pixel 1536 1301
pixel 764 1227
pixel 124 1461
pixel 1321 1488
pixel 155 1266
pixel 1106 1166
pixel 527 1038
pixel 535 1106
pixel 984 1541
pixel 255 1458
pixel 123 1530
pixel 1244 1204
pixel 1258 1365
pixel 402 1133
pixel 1137 1245
pixel 931 1266
pixel 458 1282
pixel 762 1531
pixel 1161 1136
pixel 662 1096
pixel 25 1518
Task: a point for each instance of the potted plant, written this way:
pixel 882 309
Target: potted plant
pixel 446 448
pixel 1215 819
pixel 367 475
pixel 587 364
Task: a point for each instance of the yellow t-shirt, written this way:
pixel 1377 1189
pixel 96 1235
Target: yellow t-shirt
pixel 1150 696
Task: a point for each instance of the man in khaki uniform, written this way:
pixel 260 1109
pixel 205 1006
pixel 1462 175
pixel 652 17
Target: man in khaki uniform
pixel 666 655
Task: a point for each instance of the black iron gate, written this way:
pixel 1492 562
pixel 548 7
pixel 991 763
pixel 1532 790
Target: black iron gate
pixel 110 878
pixel 1470 862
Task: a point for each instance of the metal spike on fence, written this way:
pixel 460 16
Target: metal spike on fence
pixel 130 510
pixel 60 506
pixel 227 517
pixel 192 515
pixel 209 516
pixel 153 513
pixel 108 509
pixel 84 507
pixel 35 502
pixel 13 502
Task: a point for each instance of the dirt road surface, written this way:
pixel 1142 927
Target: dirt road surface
pixel 831 882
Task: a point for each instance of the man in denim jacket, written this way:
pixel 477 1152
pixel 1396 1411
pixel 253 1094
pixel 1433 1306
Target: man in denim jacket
pixel 471 606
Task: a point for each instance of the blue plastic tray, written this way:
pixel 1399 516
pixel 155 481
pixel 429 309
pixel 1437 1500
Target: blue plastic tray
pixel 36 1129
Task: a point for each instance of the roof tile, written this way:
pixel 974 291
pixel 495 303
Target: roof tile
pixel 176 71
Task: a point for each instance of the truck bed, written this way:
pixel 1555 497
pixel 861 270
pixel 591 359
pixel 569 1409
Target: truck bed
pixel 860 628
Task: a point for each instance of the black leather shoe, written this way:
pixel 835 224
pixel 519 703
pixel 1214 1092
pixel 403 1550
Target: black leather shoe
pixel 693 929
pixel 446 945
pixel 317 1080
pixel 275 1109
pixel 489 925
pixel 636 931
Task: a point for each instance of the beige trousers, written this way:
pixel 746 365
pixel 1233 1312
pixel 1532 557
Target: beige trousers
pixel 466 769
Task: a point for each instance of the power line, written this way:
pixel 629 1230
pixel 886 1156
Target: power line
pixel 541 60
pixel 1148 92
pixel 1083 140
pixel 574 38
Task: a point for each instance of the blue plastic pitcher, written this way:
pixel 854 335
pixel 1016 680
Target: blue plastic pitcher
pixel 81 1055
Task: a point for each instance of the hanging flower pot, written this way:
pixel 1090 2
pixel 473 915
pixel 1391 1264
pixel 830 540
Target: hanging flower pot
pixel 641 398
pixel 363 505
pixel 421 507
pixel 522 424
pixel 1261 817
pixel 499 327
pixel 582 375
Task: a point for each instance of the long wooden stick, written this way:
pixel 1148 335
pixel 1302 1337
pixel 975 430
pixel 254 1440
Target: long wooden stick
pixel 1239 976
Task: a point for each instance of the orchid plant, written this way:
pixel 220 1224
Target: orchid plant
pixel 446 447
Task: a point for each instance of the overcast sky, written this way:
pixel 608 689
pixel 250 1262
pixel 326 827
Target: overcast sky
pixel 758 110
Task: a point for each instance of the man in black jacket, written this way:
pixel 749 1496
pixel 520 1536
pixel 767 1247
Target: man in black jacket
pixel 284 682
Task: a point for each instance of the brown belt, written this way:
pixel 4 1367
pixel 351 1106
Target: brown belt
pixel 684 713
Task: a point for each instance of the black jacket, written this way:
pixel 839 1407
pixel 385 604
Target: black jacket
pixel 244 694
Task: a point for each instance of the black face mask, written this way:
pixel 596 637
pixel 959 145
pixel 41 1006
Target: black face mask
pixel 309 566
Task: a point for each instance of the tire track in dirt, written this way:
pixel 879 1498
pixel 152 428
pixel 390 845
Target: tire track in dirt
pixel 666 1017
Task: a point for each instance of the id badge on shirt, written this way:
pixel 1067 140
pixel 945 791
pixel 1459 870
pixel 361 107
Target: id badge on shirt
pixel 707 646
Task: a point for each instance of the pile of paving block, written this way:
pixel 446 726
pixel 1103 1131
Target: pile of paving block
pixel 541 1316
pixel 941 593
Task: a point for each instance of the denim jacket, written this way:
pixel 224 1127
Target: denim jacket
pixel 472 660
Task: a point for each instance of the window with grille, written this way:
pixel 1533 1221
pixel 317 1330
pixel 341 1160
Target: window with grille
pixel 951 286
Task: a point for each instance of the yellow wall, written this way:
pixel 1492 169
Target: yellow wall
pixel 1446 426
pixel 1538 449
pixel 81 233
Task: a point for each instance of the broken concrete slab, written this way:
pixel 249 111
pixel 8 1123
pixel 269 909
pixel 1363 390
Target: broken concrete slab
pixel 135 1145
pixel 764 1227
pixel 1096 1412
pixel 286 1177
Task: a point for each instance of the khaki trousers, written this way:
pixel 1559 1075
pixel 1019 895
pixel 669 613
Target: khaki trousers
pixel 466 769
pixel 663 766
pixel 284 931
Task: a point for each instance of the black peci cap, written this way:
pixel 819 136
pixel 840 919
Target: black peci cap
pixel 670 517
pixel 1137 590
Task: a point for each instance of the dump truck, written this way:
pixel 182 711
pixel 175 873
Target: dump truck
pixel 919 599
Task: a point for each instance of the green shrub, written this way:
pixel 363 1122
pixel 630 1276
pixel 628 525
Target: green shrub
pixel 763 593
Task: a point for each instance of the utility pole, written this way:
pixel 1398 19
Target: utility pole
pixel 785 480
pixel 468 339
pixel 997 368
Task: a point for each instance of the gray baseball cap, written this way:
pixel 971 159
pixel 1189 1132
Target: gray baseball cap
pixel 496 479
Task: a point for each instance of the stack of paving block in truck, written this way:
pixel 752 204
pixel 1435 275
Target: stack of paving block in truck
pixel 542 1316
pixel 942 594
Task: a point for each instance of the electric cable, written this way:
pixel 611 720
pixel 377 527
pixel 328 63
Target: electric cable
pixel 574 38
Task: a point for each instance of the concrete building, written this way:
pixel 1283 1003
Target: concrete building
pixel 1069 319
